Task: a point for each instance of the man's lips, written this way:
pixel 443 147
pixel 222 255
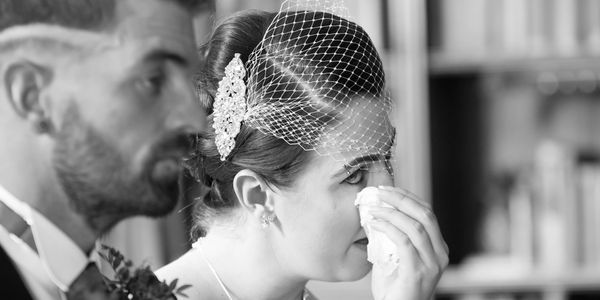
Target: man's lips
pixel 165 170
pixel 164 158
pixel 164 176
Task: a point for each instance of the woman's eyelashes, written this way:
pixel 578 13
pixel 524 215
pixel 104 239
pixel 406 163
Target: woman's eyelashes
pixel 357 175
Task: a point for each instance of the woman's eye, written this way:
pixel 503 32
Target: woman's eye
pixel 356 177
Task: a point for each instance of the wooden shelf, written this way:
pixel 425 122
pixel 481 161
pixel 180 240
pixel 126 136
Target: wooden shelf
pixel 454 282
pixel 446 64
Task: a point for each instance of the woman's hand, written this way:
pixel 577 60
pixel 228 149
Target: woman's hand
pixel 422 252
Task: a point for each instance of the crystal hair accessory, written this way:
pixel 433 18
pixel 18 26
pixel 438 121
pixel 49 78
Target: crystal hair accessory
pixel 229 107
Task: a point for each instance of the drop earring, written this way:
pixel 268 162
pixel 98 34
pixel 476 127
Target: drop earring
pixel 267 219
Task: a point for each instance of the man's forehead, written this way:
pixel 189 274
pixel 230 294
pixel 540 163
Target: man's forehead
pixel 156 23
pixel 160 24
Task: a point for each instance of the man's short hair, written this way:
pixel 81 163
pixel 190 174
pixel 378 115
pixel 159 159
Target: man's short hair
pixel 80 14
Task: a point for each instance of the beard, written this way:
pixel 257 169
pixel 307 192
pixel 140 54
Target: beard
pixel 98 180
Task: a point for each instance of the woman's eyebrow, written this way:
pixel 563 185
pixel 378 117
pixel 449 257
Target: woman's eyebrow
pixel 369 158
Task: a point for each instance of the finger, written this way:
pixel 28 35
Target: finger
pixel 407 253
pixel 406 194
pixel 419 212
pixel 414 230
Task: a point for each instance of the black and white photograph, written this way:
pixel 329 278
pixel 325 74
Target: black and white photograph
pixel 300 149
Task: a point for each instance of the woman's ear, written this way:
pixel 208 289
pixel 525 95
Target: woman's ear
pixel 253 194
pixel 24 82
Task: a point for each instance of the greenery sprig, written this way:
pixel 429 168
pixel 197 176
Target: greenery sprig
pixel 137 283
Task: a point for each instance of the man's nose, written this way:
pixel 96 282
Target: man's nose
pixel 188 114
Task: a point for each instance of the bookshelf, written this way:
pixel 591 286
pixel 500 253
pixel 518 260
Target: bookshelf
pixel 456 283
pixel 442 64
pixel 514 94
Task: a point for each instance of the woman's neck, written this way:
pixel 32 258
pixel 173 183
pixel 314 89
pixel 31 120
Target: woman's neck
pixel 247 266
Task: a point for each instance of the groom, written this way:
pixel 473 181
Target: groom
pixel 96 103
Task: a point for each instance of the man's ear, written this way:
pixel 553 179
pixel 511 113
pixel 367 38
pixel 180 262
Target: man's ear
pixel 252 193
pixel 25 82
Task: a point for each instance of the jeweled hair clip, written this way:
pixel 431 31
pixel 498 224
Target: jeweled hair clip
pixel 229 107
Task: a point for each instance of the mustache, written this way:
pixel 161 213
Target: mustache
pixel 184 144
pixel 179 143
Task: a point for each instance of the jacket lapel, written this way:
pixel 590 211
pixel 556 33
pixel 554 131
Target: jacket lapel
pixel 12 284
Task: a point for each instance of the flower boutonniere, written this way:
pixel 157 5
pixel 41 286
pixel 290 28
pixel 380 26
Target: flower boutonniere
pixel 137 283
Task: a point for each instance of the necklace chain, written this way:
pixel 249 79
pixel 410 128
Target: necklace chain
pixel 305 293
pixel 214 272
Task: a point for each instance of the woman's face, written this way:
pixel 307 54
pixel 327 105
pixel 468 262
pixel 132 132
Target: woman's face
pixel 318 233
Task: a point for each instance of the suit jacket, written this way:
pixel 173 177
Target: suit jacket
pixel 11 283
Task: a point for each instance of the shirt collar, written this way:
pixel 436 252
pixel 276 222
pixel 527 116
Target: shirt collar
pixel 62 259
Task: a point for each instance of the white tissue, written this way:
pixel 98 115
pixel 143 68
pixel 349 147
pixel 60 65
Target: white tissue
pixel 380 247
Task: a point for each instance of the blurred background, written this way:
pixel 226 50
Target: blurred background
pixel 498 118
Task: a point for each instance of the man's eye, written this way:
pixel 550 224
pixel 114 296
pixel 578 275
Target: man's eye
pixel 356 177
pixel 152 83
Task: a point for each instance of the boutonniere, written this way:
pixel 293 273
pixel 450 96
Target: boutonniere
pixel 137 283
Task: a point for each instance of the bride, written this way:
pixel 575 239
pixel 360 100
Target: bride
pixel 300 118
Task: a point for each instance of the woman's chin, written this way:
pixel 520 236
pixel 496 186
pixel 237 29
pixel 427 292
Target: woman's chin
pixel 356 268
pixel 356 273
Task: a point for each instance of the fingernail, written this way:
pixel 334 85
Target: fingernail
pixel 386 187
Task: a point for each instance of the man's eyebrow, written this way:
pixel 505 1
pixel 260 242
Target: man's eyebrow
pixel 163 54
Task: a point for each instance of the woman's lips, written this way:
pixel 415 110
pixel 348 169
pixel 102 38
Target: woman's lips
pixel 362 241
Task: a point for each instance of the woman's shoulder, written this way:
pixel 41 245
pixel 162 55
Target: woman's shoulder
pixel 190 269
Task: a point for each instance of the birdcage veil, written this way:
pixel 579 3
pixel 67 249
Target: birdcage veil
pixel 315 80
